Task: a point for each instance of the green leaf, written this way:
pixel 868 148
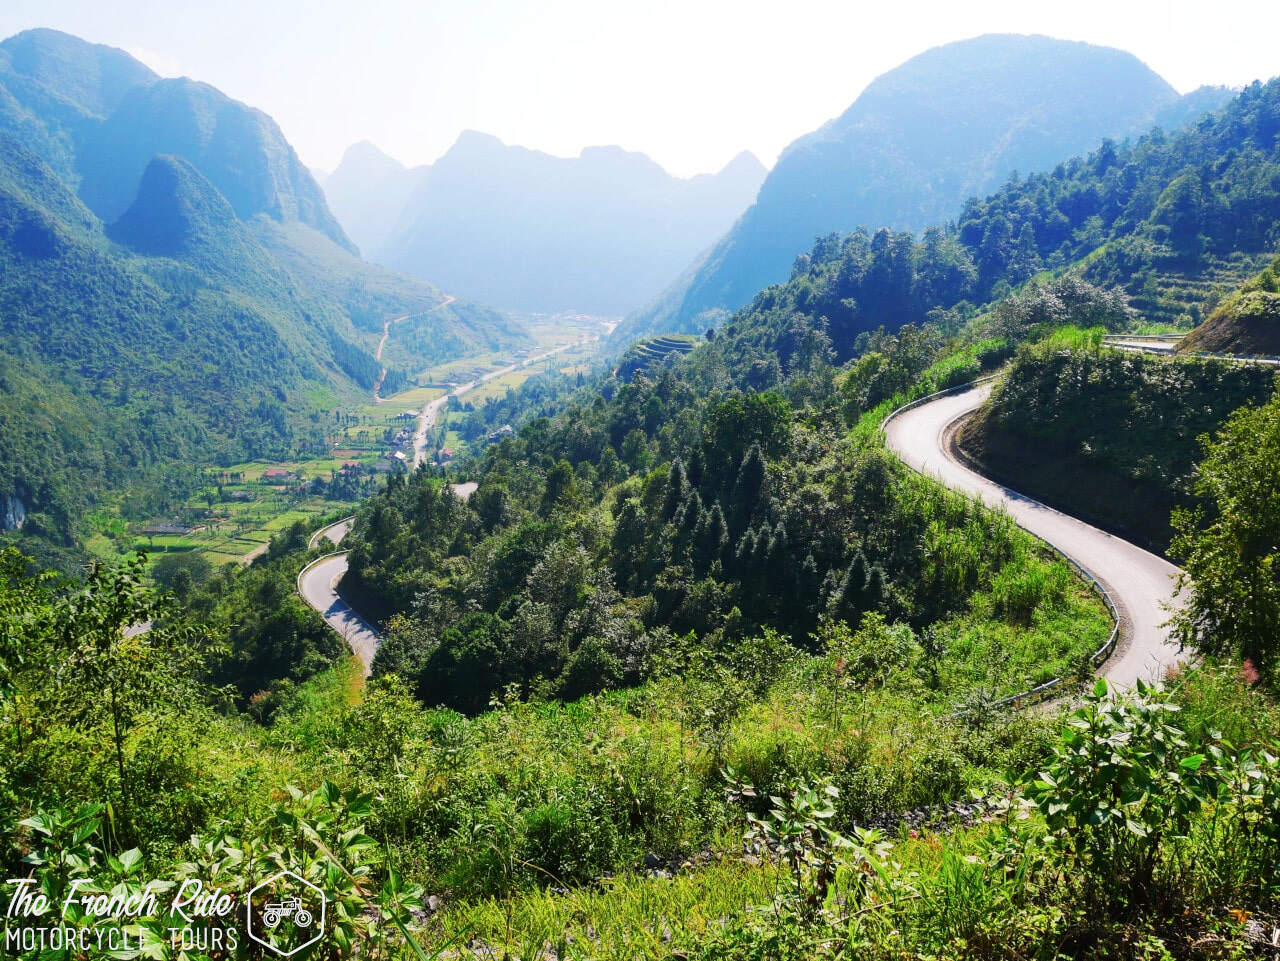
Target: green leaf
pixel 130 859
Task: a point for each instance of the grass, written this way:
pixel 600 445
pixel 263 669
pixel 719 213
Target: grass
pixel 620 919
pixel 958 367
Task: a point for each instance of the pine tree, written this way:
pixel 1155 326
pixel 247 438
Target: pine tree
pixel 847 602
pixel 695 468
pixel 712 538
pixel 677 487
pixel 742 556
pixel 749 484
pixel 689 515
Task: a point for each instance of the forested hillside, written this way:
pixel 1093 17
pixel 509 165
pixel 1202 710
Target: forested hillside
pixel 1247 322
pixel 1109 436
pixel 186 330
pixel 1134 221
pixel 949 124
pixel 714 495
pixel 687 663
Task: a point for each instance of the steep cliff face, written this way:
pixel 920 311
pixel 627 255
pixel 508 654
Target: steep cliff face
pixel 12 513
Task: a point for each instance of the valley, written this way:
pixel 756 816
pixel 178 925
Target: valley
pixel 525 552
pixel 235 512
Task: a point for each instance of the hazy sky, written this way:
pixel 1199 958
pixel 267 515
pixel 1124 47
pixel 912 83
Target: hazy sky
pixel 690 82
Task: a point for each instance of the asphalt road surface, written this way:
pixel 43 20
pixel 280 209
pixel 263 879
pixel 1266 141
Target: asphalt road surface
pixel 318 585
pixel 427 419
pixel 1140 583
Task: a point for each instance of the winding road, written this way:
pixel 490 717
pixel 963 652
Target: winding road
pixel 386 332
pixel 318 581
pixel 1140 583
pixel 318 585
pixel 427 419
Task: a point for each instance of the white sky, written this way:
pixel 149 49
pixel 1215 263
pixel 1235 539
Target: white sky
pixel 689 82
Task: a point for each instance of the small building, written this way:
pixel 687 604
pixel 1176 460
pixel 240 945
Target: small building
pixel 178 529
pixel 506 430
pixel 276 473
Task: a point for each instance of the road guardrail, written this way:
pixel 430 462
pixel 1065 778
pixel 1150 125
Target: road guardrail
pixel 1041 692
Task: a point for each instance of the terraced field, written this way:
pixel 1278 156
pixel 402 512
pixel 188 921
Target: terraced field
pixel 652 352
pixel 1170 294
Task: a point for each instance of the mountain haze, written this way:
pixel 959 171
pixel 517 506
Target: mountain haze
pixel 174 292
pixel 951 123
pixel 524 230
pixel 368 192
pixel 97 117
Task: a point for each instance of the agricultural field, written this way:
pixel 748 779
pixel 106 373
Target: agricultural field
pixel 232 513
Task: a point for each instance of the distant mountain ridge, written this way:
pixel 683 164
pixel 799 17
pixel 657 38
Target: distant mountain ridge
pixel 367 192
pixel 97 117
pixel 950 123
pixel 524 230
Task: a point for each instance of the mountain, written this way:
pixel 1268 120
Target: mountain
pixel 367 193
pixel 54 88
pixel 97 117
pixel 953 122
pixel 178 213
pixel 528 231
pixel 1163 227
pixel 240 150
pixel 174 293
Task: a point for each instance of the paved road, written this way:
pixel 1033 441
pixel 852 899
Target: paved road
pixel 318 585
pixel 427 419
pixel 1140 582
pixel 1165 348
pixel 318 582
pixel 1146 346
pixel 335 532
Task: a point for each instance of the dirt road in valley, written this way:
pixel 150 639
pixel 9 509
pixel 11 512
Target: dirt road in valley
pixel 386 332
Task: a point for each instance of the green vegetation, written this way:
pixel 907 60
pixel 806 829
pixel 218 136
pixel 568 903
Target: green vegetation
pixel 738 779
pixel 1246 323
pixel 999 104
pixel 166 324
pixel 1228 541
pixel 699 669
pixel 1107 435
pixel 647 354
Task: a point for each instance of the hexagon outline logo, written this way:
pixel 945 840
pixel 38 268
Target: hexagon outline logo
pixel 288 907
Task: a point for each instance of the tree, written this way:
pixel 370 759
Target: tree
pixel 677 490
pixel 712 538
pixel 560 487
pixel 110 660
pixel 749 485
pixel 1230 545
pixel 24 614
